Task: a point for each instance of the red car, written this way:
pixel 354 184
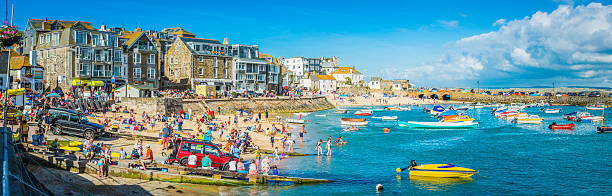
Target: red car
pixel 182 152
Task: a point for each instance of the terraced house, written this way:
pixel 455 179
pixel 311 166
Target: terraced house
pixel 73 53
pixel 199 63
pixel 252 72
pixel 140 55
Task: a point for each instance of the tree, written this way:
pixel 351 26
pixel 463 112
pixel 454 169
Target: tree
pixel 348 81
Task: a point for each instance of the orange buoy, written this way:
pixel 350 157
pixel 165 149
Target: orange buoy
pixel 386 130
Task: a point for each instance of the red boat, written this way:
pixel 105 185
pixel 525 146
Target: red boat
pixel 566 126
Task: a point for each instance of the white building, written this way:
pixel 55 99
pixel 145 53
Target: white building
pixel 305 83
pixel 347 76
pixel 300 66
pixel 329 65
pixel 252 73
pixel 326 83
pixel 135 91
pixel 374 82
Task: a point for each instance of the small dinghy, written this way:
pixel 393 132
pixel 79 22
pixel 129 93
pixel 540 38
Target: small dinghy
pixel 555 126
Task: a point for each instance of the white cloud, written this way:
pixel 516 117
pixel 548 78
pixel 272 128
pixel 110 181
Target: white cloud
pixel 448 23
pixel 569 44
pixel 499 22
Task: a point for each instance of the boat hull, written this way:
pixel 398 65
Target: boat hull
pixel 604 129
pixel 439 125
pixel 434 170
pixel 354 123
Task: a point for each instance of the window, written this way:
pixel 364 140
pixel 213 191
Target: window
pixel 215 73
pixel 216 65
pixel 197 47
pixel 201 71
pixel 47 54
pixel 261 77
pixel 151 73
pixel 41 40
pixel 80 37
pixel 54 53
pixel 136 73
pixel 250 77
pixel 211 150
pixel 117 55
pixel 152 59
pixel 48 38
pixel 84 69
pixel 201 59
pixel 55 39
pixel 136 57
pixel 95 39
pixel 85 53
pixel 225 73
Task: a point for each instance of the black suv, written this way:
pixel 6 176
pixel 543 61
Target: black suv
pixel 73 123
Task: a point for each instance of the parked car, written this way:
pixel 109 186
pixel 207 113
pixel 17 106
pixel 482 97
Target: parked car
pixel 595 94
pixel 183 150
pixel 64 121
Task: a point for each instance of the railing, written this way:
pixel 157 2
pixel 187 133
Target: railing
pixel 101 73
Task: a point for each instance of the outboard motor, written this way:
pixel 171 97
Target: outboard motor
pixel 413 163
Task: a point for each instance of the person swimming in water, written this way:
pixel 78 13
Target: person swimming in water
pixel 339 141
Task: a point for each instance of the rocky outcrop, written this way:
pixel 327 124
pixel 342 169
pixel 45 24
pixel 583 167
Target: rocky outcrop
pixel 470 97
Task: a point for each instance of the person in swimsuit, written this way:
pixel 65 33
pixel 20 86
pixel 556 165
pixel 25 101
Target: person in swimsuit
pixel 328 146
pixel 318 148
pixel 302 134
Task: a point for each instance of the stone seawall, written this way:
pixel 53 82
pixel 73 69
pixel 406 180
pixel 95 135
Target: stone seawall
pixel 161 105
pixel 280 105
pixel 470 97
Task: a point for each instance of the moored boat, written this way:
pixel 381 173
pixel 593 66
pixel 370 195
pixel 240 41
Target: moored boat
pixel 533 119
pixel 439 125
pixel 595 107
pixel 565 126
pixel 441 171
pixel 457 118
pixel 354 121
pixel 341 111
pixel 295 121
pixel 389 118
pixel 606 129
pixel 551 110
pixel 363 113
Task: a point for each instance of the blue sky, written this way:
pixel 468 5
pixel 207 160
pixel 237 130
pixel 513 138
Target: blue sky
pixel 394 39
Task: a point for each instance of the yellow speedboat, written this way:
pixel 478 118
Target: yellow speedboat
pixel 442 171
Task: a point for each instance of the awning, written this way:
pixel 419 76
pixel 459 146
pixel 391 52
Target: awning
pixel 79 82
pixel 96 83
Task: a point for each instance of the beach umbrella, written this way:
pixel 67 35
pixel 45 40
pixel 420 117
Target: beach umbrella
pixel 53 95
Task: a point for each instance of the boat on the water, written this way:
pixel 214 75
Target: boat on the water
pixel 389 118
pixel 462 108
pixel 457 118
pixel 441 171
pixel 555 126
pixel 354 121
pixel 340 111
pixel 321 115
pixel 398 108
pixel 363 113
pixel 606 129
pixel 532 119
pixel 595 107
pixel 478 105
pixel 295 121
pixel 551 110
pixel 438 125
pixel 512 116
pixel 582 117
pixel 301 113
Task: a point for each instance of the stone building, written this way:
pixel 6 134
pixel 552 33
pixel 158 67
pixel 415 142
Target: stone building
pixel 395 85
pixel 73 53
pixel 192 62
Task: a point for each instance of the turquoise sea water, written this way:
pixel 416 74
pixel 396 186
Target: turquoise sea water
pixel 510 158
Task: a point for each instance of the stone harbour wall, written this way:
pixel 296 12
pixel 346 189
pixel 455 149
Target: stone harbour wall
pixel 273 105
pixel 470 97
pixel 197 106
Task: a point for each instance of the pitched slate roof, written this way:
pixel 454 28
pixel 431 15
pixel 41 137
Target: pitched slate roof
pixel 193 39
pixel 132 37
pixel 178 31
pixel 346 70
pixel 38 24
